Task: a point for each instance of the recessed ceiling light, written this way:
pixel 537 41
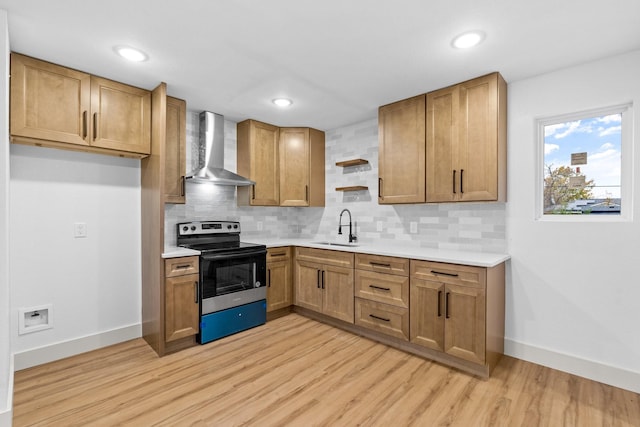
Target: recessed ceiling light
pixel 468 39
pixel 282 102
pixel 131 53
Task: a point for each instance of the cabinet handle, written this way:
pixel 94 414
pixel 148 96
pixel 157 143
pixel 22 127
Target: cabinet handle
pixel 439 303
pixel 182 266
pixel 95 126
pixel 268 277
pixel 318 278
pixel 253 192
pixel 444 274
pixel 380 188
pixel 306 193
pixel 84 124
pixel 380 318
pixel 322 279
pixel 454 181
pixel 279 254
pixel 446 305
pixel 461 176
pixel 379 287
pixel 195 284
pixel 379 264
pixel 182 185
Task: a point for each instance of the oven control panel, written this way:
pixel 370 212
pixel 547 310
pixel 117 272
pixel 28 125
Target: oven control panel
pixel 208 227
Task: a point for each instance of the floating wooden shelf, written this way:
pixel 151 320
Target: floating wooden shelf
pixel 354 162
pixel 354 188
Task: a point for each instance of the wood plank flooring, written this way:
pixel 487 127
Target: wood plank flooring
pixel 294 371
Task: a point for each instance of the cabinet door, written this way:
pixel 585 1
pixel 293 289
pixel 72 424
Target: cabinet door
pixel 443 173
pixel 49 102
pixel 338 292
pixel 279 288
pixel 465 322
pixel 181 307
pixel 175 151
pixel 121 116
pixel 308 293
pixel 257 159
pixel 294 167
pixel 427 313
pixel 401 165
pixel 477 147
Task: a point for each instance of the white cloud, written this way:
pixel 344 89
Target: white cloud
pixel 550 148
pixel 613 118
pixel 610 130
pixel 606 146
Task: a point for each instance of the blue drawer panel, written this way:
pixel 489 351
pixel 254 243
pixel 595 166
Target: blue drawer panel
pixel 227 322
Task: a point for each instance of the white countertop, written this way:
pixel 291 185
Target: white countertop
pixel 478 259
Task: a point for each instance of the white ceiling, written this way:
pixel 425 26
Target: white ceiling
pixel 337 59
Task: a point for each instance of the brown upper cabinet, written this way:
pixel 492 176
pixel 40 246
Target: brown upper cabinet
pixel 58 107
pixel 287 165
pixel 175 151
pixel 258 161
pixel 466 141
pixel 446 146
pixel 401 156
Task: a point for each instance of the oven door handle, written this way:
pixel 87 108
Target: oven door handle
pixel 231 255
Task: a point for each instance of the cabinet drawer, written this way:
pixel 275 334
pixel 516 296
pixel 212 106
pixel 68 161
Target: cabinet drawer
pixel 385 288
pixel 455 274
pixel 388 319
pixel 383 264
pixel 180 266
pixel 282 253
pixel 324 256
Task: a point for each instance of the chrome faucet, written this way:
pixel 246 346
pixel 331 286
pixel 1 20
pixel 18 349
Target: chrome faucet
pixel 352 237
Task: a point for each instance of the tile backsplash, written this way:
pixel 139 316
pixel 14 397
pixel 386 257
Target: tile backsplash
pixel 461 226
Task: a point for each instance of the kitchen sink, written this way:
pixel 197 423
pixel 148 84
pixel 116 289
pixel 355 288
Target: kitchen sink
pixel 351 245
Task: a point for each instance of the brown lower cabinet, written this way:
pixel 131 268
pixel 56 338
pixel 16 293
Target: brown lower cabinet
pixel 181 298
pixel 458 310
pixel 279 286
pixel 324 282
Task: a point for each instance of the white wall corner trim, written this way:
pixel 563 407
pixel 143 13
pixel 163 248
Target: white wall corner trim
pixel 590 369
pixel 57 351
pixel 6 414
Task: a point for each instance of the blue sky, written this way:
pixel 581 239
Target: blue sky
pixel 600 138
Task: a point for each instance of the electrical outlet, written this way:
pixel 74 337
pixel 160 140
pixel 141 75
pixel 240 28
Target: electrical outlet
pixel 259 225
pixel 413 227
pixel 79 229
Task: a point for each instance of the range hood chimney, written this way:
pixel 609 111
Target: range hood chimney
pixel 211 151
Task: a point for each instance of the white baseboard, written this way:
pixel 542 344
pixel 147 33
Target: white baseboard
pixel 6 413
pixel 590 369
pixel 49 353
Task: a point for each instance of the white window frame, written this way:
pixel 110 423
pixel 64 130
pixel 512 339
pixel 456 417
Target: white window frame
pixel 626 166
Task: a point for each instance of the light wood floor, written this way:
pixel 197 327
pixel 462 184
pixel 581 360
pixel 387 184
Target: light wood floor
pixel 297 372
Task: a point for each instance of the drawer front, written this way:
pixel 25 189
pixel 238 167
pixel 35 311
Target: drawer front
pixel 454 274
pixel 180 266
pixel 385 288
pixel 383 264
pixel 281 253
pixel 324 256
pixel 384 318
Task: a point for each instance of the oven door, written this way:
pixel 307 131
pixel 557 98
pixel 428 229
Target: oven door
pixel 229 279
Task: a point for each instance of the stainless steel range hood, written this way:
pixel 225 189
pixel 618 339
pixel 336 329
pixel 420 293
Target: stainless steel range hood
pixel 211 151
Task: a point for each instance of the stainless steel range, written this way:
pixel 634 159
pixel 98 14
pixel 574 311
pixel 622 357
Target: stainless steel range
pixel 232 277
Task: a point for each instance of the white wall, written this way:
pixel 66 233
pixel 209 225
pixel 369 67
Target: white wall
pixel 94 283
pixel 573 299
pixel 6 370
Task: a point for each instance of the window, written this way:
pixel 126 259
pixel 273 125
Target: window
pixel 585 164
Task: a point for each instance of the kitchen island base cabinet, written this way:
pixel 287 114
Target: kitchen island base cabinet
pixel 324 282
